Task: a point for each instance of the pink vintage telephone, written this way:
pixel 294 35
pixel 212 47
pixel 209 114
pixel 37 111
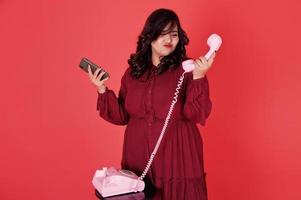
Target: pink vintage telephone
pixel 110 182
pixel 214 42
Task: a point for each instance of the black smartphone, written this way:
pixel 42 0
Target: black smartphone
pixel 84 66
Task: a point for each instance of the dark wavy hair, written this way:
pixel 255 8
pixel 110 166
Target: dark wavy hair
pixel 141 60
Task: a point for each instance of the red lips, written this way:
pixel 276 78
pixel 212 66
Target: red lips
pixel 168 45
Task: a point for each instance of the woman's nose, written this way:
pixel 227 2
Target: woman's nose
pixel 168 38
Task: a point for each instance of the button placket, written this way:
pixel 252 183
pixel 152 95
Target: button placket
pixel 149 108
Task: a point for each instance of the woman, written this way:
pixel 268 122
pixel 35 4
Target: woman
pixel 146 92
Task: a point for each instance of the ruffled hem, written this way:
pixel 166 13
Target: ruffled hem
pixel 180 189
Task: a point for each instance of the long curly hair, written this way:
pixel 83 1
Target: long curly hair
pixel 141 60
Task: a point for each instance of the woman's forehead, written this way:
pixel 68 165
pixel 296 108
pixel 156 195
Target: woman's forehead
pixel 170 27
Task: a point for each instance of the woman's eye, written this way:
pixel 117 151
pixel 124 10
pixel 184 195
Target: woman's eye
pixel 171 34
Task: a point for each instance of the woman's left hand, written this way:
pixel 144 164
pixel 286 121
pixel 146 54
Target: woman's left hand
pixel 202 66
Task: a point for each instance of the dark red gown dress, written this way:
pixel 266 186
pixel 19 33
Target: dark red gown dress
pixel 142 104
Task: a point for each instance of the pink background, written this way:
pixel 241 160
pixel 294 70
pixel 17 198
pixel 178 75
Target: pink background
pixel 52 139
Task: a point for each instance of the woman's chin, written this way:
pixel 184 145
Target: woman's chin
pixel 166 53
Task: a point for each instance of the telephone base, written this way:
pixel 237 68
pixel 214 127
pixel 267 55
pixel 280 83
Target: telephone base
pixel 112 182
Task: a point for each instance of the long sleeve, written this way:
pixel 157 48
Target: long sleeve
pixel 111 108
pixel 197 105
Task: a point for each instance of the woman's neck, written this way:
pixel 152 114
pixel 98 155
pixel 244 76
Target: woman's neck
pixel 155 60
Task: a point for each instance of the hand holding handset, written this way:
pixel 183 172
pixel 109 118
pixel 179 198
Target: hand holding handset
pixel 214 42
pixel 110 182
pixel 84 65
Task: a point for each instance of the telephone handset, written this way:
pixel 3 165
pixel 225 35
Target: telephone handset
pixel 214 42
pixel 110 182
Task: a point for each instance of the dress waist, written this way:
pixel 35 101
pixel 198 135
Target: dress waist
pixel 152 118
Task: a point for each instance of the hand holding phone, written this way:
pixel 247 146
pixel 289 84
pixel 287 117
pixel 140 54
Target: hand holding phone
pixel 85 62
pixel 214 42
pixel 97 75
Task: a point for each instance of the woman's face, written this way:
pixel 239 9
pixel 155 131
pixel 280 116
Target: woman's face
pixel 167 41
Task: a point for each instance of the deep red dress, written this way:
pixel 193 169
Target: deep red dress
pixel 177 171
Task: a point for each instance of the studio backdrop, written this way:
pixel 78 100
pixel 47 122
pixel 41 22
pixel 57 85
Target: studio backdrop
pixel 52 138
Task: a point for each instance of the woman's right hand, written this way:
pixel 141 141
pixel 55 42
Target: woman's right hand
pixel 95 80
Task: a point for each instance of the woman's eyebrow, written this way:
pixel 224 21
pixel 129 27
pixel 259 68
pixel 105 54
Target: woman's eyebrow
pixel 169 31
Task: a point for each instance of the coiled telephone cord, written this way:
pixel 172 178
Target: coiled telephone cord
pixel 174 101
